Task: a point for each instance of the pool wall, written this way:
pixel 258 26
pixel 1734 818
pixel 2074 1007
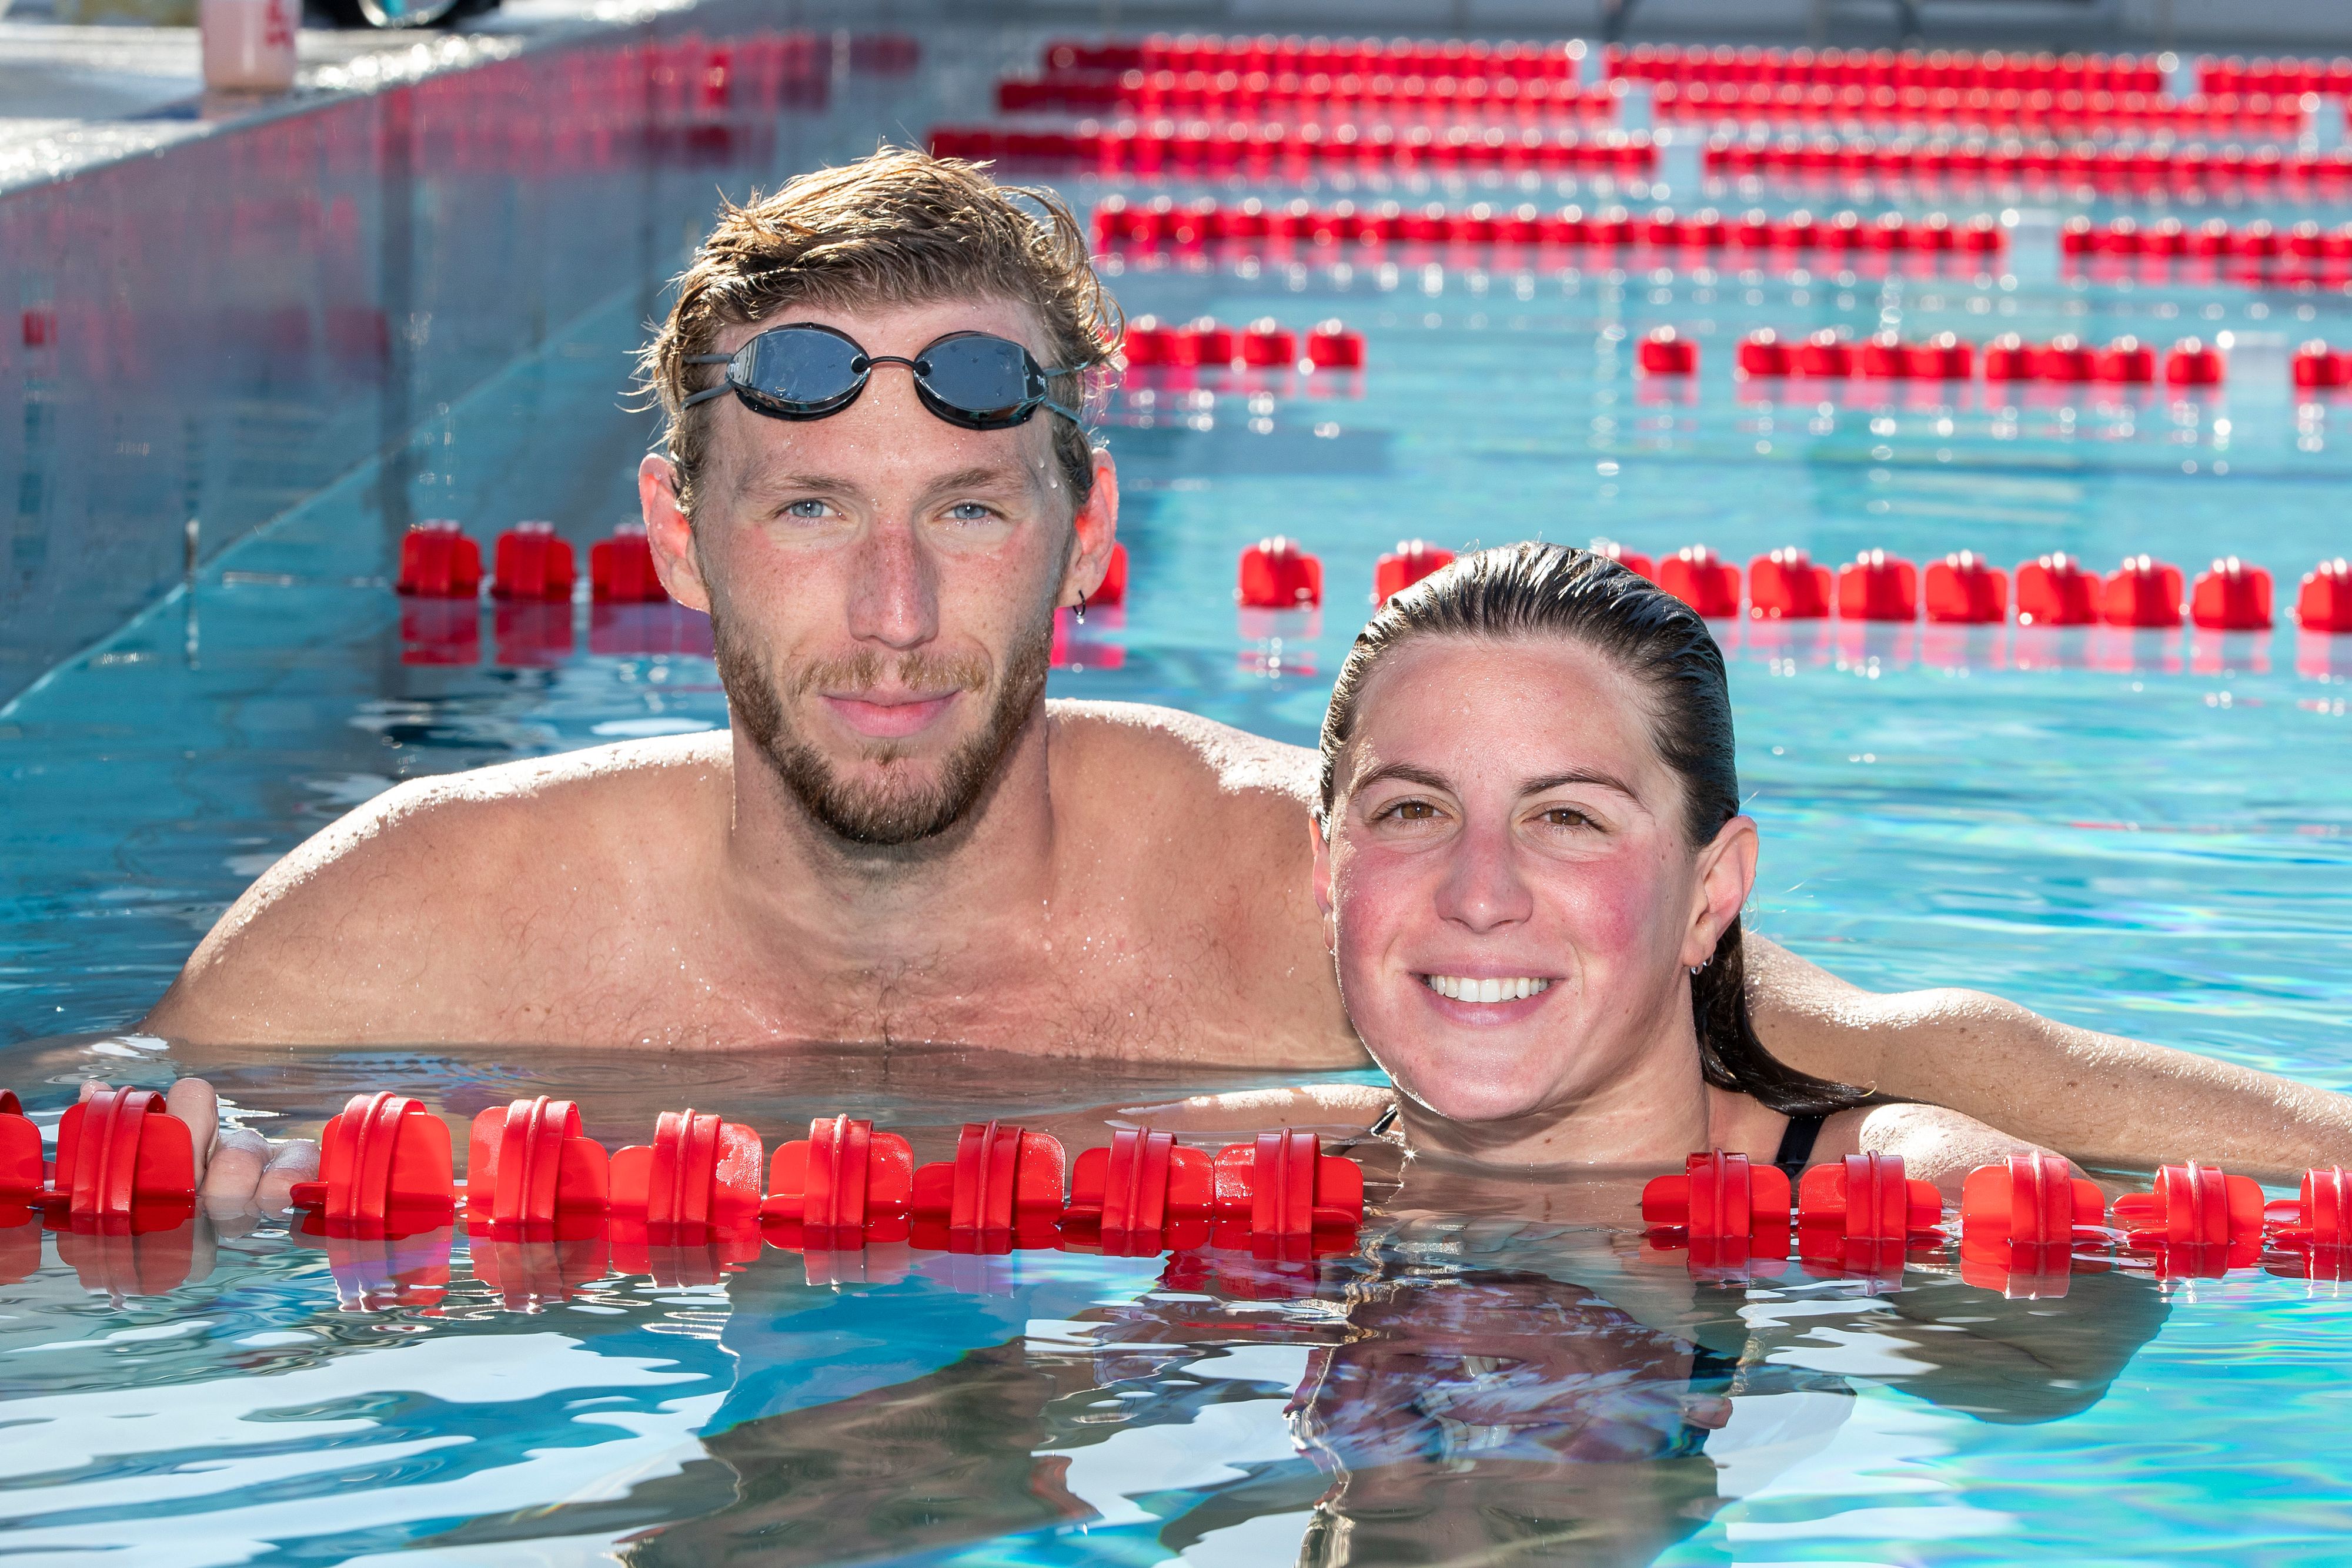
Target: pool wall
pixel 200 338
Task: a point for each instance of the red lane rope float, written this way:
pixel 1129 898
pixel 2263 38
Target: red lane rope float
pixel 382 1160
pixel 1003 1188
pixel 1866 1198
pixel 530 561
pixel 2056 590
pixel 1162 224
pixel 1256 93
pixel 620 569
pixel 2232 596
pixel 528 1166
pixel 700 1174
pixel 1700 578
pixel 1265 344
pixel 1278 574
pixel 1458 58
pixel 2019 1223
pixel 2324 602
pixel 2238 74
pixel 2198 1222
pixel 1269 146
pixel 120 1152
pixel 1287 1193
pixel 1399 568
pixel 2142 592
pixel 1875 586
pixel 2008 162
pixel 842 1186
pixel 1665 352
pixel 1964 589
pixel 438 561
pixel 2066 112
pixel 1633 562
pixel 1954 69
pixel 1142 1193
pixel 1785 585
pixel 1720 1196
pixel 21 1165
pixel 2319 1215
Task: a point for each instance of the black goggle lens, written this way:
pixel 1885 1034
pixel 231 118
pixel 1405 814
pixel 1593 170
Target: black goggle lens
pixel 980 380
pixel 799 370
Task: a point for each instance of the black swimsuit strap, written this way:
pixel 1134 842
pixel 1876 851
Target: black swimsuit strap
pixel 1797 1144
pixel 1387 1120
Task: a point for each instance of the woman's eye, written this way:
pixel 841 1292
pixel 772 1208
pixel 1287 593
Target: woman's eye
pixel 1567 817
pixel 1408 811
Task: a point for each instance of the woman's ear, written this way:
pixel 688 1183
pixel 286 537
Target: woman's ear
pixel 1723 877
pixel 1319 879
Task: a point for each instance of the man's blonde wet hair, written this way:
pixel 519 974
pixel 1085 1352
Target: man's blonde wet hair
pixel 898 228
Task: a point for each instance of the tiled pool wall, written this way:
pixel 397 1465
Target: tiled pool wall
pixel 199 338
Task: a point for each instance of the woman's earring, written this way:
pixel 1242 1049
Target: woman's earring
pixel 1696 967
pixel 1081 611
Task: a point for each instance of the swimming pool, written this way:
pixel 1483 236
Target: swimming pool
pixel 2137 832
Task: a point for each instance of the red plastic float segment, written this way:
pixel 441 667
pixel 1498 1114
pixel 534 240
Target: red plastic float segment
pixel 530 561
pixel 1785 585
pixel 1275 574
pixel 2064 358
pixel 1717 1197
pixel 2010 358
pixel 1697 576
pixel 437 560
pixel 2325 602
pixel 1411 561
pixel 1268 345
pixel 1332 347
pixel 1875 586
pixel 840 1176
pixel 620 569
pixel 1763 353
pixel 2193 364
pixel 1284 1185
pixel 381 1154
pixel 1665 353
pixel 2320 1214
pixel 120 1149
pixel 2232 596
pixel 1943 357
pixel 1634 561
pixel 1147 341
pixel 21 1165
pixel 2192 1206
pixel 2125 361
pixel 1828 354
pixel 2032 1200
pixel 1111 591
pixel 1964 589
pixel 699 1171
pixel 1866 1198
pixel 527 1162
pixel 2144 592
pixel 1139 1184
pixel 1000 1174
pixel 2318 366
pixel 2056 590
pixel 1885 356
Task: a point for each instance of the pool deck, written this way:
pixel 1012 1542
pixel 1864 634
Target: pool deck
pixel 72 97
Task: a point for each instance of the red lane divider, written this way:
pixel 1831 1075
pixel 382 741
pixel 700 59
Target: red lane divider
pixel 2009 161
pixel 1697 576
pixel 2237 74
pixel 1828 354
pixel 1456 58
pixel 2320 1215
pixel 1867 1198
pixel 1276 574
pixel 843 1185
pixel 21 1172
pixel 1663 353
pixel 1954 69
pixel 620 569
pixel 528 1164
pixel 2066 112
pixel 1785 585
pixel 1411 561
pixel 1112 591
pixel 2215 238
pixel 2325 601
pixel 123 1158
pixel 1163 223
pixel 1963 589
pixel 2232 596
pixel 1284 1186
pixel 532 563
pixel 1256 94
pixel 1231 147
pixel 1003 1180
pixel 700 1174
pixel 1265 344
pixel 385 1158
pixel 2144 592
pixel 2056 590
pixel 1719 1197
pixel 2318 366
pixel 437 560
pixel 2198 1222
pixel 2033 1200
pixel 1139 1187
pixel 1875 586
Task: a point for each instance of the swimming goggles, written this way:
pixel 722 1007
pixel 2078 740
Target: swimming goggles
pixel 803 370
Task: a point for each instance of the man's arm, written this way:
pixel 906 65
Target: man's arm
pixel 2099 1098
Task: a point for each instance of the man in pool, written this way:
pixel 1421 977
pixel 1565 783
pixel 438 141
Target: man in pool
pixel 876 483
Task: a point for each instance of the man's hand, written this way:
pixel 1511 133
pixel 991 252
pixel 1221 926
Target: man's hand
pixel 238 1172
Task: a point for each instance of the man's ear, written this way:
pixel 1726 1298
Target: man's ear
pixel 1722 879
pixel 671 532
pixel 1098 530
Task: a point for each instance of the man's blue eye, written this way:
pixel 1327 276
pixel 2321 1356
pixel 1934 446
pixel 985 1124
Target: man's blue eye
pixel 805 509
pixel 970 512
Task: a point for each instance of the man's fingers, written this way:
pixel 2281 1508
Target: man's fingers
pixel 229 1181
pixel 192 1100
pixel 296 1159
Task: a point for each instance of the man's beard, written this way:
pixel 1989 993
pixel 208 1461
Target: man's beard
pixel 879 815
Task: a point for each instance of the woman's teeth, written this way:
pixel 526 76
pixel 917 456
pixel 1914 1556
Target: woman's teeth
pixel 1461 989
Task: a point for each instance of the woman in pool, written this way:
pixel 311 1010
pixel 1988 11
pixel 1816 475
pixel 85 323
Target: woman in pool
pixel 1532 860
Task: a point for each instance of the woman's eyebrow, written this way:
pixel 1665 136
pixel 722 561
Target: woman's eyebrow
pixel 1405 773
pixel 1580 776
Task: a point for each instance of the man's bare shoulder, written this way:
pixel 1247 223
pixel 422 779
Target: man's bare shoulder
pixel 382 903
pixel 1186 755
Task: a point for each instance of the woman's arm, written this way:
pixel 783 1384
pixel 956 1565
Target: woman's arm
pixel 2099 1098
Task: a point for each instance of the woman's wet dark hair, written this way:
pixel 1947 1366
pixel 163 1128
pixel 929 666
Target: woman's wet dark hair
pixel 1553 590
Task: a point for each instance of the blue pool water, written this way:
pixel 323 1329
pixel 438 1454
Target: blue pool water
pixel 2145 833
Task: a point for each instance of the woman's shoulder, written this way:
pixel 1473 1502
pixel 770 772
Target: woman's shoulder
pixel 1338 1108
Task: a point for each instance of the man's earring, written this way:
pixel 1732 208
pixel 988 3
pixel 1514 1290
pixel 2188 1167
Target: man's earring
pixel 1081 610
